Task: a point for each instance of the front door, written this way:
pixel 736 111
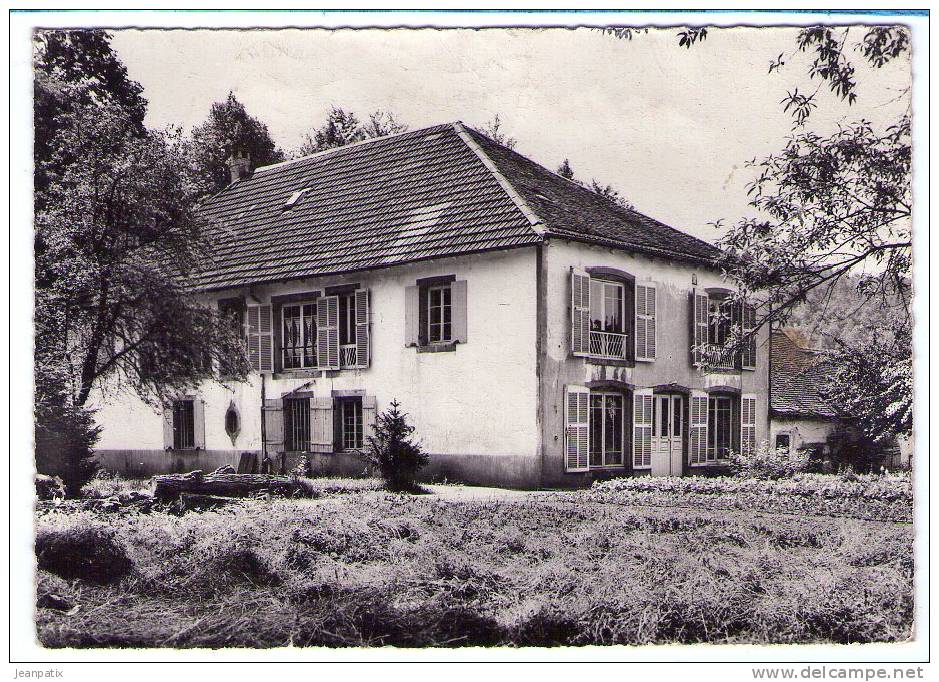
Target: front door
pixel 667 415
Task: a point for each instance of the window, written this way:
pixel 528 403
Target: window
pixel 677 412
pixel 439 314
pixel 606 306
pixel 720 433
pixel 232 311
pixel 783 441
pixel 347 319
pixel 297 424
pixel 184 425
pixel 350 423
pixel 606 429
pixel 232 422
pixel 298 337
pixel 719 320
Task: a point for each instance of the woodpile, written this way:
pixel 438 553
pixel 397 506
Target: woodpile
pixel 223 482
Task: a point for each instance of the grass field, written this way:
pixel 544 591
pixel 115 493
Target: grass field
pixel 619 564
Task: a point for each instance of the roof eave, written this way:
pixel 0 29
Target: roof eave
pixel 636 248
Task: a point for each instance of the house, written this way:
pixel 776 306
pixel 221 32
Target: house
pixel 536 333
pixel 801 417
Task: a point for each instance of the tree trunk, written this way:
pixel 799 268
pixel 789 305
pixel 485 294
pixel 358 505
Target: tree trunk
pixel 223 484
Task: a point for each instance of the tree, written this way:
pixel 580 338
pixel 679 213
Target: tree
pixel 834 208
pixel 493 130
pixel 230 128
pixel 392 451
pixel 606 191
pixel 609 193
pixel 77 67
pixel 120 238
pixel 873 380
pixel 342 128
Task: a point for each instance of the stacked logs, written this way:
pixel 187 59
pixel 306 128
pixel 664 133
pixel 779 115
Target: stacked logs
pixel 223 482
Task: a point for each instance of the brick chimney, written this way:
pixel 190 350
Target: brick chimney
pixel 240 166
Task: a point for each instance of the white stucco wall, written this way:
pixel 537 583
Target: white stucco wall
pixel 480 399
pixel 802 430
pixel 674 284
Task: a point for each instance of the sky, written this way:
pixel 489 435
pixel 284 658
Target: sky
pixel 670 128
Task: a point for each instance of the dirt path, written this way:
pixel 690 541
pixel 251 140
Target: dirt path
pixel 472 493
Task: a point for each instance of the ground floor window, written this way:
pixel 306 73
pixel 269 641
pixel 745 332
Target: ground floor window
pixel 720 433
pixel 783 441
pixel 606 429
pixel 184 425
pixel 297 424
pixel 350 423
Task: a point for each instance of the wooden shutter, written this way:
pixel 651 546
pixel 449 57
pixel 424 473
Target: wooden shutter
pixel 362 320
pixel 458 310
pixel 642 428
pixel 321 422
pixel 699 326
pixel 577 431
pixel 412 323
pixel 273 413
pixel 168 426
pixel 747 423
pixel 748 327
pixel 645 322
pixel 261 337
pixel 580 312
pixel 327 332
pixel 369 416
pixel 198 423
pixel 698 428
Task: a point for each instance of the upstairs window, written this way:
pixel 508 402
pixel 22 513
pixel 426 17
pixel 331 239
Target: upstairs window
pixel 439 314
pixel 347 318
pixel 612 317
pixel 720 312
pixel 606 306
pixel 298 345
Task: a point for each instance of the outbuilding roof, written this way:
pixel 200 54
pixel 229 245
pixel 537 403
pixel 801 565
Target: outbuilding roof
pixel 439 191
pixel 797 377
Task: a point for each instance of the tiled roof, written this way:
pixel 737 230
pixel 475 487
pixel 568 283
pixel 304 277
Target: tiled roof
pixel 571 211
pixel 440 191
pixel 797 378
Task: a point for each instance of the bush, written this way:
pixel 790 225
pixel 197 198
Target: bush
pixel 91 552
pixel 49 487
pixel 65 437
pixel 770 464
pixel 392 452
pixel 104 485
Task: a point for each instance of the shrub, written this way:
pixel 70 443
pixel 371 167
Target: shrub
pixel 49 487
pixel 65 436
pixel 90 552
pixel 104 485
pixel 769 464
pixel 392 452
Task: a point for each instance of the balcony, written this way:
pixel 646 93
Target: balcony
pixel 347 355
pixel 608 345
pixel 718 357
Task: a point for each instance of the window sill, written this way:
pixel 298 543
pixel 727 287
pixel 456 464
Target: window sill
pixel 607 467
pixel 185 450
pixel 612 362
pixel 448 347
pixel 300 373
